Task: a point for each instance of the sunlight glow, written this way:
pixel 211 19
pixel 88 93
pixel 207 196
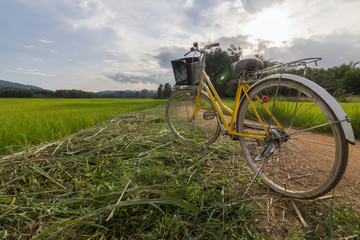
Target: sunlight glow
pixel 271 24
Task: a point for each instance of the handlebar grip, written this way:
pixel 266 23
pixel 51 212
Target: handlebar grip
pixel 212 45
pixel 191 50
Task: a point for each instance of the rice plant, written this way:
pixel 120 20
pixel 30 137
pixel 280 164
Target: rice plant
pixel 351 109
pixel 32 121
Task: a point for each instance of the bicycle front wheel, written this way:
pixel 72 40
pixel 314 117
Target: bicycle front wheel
pixel 311 151
pixel 191 123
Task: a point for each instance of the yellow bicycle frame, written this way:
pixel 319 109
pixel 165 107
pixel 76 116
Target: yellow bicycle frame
pixel 218 104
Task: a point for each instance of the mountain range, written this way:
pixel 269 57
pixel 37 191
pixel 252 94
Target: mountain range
pixel 4 83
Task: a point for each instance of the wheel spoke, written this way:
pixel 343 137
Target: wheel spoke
pixel 179 111
pixel 313 128
pixel 296 108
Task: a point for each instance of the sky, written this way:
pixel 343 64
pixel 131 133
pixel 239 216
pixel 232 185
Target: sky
pixel 97 45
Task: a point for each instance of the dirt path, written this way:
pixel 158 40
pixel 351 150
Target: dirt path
pixel 321 153
pixel 315 158
pixel 350 181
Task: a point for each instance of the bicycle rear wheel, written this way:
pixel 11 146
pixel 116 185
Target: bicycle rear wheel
pixel 311 151
pixel 202 128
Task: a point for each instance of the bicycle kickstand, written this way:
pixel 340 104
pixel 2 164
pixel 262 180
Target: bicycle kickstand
pixel 268 151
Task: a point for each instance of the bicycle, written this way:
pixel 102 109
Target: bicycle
pixel 293 134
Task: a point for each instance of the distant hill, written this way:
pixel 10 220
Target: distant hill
pixel 125 91
pixel 106 92
pixel 4 83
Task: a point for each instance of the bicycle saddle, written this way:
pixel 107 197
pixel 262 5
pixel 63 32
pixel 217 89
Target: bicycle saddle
pixel 248 65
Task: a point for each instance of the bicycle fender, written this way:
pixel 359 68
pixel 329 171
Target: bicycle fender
pixel 333 104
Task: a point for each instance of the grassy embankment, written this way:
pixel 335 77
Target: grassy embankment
pixel 32 121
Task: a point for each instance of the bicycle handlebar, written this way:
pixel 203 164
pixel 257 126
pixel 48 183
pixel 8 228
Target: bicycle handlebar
pixel 196 49
pixel 209 46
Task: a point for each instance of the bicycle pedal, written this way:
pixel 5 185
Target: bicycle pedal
pixel 235 138
pixel 209 115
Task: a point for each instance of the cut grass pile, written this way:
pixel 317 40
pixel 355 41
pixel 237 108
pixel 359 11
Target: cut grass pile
pixel 123 179
pixel 129 178
pixel 32 121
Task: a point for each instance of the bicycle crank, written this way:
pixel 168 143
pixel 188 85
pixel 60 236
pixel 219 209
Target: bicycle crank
pixel 277 138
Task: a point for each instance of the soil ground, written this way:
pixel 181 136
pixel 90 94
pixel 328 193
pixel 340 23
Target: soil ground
pixel 352 172
pixel 299 214
pixel 350 183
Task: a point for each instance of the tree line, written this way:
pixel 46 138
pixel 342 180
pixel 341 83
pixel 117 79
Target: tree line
pixel 165 91
pixel 11 92
pixel 340 81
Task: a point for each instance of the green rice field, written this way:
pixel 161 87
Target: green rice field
pixel 31 121
pixel 351 109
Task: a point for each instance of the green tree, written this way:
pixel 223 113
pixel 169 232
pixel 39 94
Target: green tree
pixel 234 53
pixel 73 94
pixel 218 68
pixel 351 81
pixel 10 92
pixel 167 90
pixel 160 91
pixel 176 88
pixel 144 91
pixel 231 87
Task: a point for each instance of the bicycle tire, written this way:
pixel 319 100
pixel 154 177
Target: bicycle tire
pixel 203 129
pixel 307 163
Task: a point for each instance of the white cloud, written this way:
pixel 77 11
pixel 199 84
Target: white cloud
pixel 334 48
pixel 189 3
pixel 44 41
pixel 39 60
pixel 254 6
pixel 94 14
pixel 92 38
pixel 116 63
pixel 271 24
pixel 31 72
pixel 115 52
pixel 150 38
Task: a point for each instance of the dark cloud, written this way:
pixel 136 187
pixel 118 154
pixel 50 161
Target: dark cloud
pixel 166 54
pixel 253 6
pixel 262 45
pixel 335 49
pixel 132 78
pixel 163 57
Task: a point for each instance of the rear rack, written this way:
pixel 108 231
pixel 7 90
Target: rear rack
pixel 293 64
